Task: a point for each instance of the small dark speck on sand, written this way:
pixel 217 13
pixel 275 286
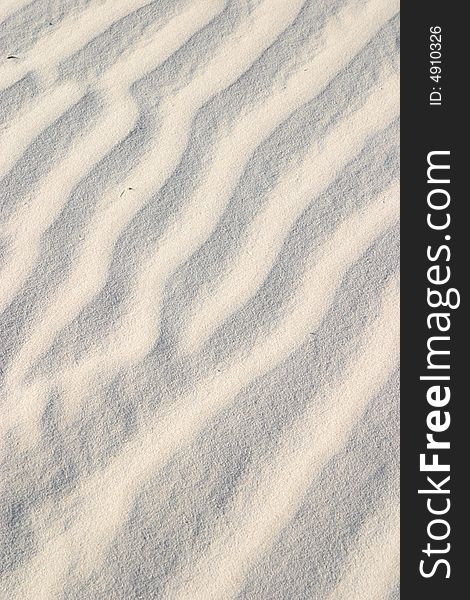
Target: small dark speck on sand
pixel 12 56
pixel 126 190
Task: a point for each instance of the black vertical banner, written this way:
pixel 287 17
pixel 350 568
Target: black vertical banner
pixel 435 250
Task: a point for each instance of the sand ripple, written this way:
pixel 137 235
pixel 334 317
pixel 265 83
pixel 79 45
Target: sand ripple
pixel 199 299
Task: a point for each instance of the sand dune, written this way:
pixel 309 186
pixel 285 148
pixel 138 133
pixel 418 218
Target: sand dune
pixel 199 299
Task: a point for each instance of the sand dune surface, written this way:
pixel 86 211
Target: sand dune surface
pixel 199 275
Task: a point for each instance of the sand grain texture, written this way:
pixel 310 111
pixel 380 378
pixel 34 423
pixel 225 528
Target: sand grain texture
pixel 199 299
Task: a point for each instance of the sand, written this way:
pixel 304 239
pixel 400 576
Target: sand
pixel 199 299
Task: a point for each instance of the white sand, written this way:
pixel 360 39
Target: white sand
pixel 199 299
